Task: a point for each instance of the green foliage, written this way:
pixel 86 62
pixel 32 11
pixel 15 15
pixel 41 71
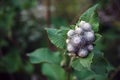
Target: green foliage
pixel 58 22
pixel 88 75
pixel 50 63
pixel 101 66
pixel 11 53
pixel 98 38
pixel 53 72
pixel 96 77
pixel 28 68
pixel 81 75
pixel 57 37
pixel 94 63
pixel 83 63
pixel 12 60
pixel 91 17
pixel 18 31
pixel 44 55
pixel 23 4
pixel 6 20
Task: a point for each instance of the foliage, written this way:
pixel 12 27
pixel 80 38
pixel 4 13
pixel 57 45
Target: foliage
pixel 11 52
pixel 57 37
pixel 51 71
pixel 48 57
pixel 94 66
pixel 25 48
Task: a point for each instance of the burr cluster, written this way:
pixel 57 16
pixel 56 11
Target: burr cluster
pixel 80 41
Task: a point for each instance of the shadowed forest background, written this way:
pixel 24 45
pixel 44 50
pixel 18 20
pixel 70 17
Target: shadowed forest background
pixel 22 24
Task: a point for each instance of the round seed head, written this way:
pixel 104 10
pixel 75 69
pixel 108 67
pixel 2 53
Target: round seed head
pixel 90 47
pixel 82 53
pixel 77 40
pixel 70 48
pixel 83 42
pixel 78 30
pixel 86 27
pixel 70 33
pixel 89 36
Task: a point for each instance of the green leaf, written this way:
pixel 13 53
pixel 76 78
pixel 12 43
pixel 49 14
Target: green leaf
pixel 88 75
pixel 91 16
pixel 100 65
pixel 7 21
pixel 57 57
pixel 83 63
pixel 97 53
pixel 86 62
pixel 77 65
pixel 28 68
pixel 98 38
pixel 57 37
pixel 43 55
pixel 53 72
pixel 96 77
pixel 81 75
pixel 98 42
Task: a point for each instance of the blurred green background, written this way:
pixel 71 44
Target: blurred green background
pixel 22 24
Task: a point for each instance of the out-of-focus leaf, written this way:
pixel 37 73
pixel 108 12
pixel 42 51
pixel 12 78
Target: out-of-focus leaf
pixel 59 22
pixel 22 4
pixel 53 72
pixel 43 55
pixel 96 77
pixel 11 62
pixel 28 68
pixel 88 75
pixel 101 67
pixel 7 21
pixel 81 75
pixel 3 43
pixel 57 37
pixel 99 64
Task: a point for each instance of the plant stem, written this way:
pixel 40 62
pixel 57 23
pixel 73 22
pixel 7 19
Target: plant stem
pixel 70 63
pixel 69 68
